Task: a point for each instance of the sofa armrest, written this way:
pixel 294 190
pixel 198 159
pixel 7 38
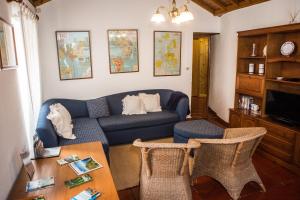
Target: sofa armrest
pixel 44 127
pixel 48 137
pixel 182 108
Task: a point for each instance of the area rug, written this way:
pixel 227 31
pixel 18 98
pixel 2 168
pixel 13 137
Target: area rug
pixel 125 161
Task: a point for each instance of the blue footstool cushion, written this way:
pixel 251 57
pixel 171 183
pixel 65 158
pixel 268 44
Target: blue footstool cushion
pixel 183 131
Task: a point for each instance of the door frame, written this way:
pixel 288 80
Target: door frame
pixel 197 35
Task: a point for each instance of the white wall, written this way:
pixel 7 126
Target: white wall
pixel 223 69
pixel 98 16
pixel 12 130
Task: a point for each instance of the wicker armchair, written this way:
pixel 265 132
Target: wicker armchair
pixel 229 160
pixel 165 172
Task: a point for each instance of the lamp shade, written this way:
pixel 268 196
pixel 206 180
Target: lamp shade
pixel 186 16
pixel 157 18
pixel 176 20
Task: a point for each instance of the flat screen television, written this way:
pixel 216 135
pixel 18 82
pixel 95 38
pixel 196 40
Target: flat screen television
pixel 283 106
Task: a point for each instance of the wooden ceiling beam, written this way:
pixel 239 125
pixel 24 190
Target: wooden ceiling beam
pixel 242 4
pixel 234 2
pixel 219 4
pixel 205 6
pixel 39 2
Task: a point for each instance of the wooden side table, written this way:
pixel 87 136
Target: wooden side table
pixel 102 182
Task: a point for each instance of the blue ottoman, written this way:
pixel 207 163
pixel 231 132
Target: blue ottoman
pixel 183 131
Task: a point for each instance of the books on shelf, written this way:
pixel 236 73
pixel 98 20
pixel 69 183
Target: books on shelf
pixel 39 184
pixel 88 194
pixel 78 181
pixel 85 165
pixel 68 159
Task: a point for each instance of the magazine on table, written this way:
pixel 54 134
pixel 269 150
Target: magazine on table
pixel 78 181
pixel 39 184
pixel 85 165
pixel 88 194
pixel 68 159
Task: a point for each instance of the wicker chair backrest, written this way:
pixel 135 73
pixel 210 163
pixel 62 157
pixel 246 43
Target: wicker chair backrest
pixel 236 148
pixel 163 160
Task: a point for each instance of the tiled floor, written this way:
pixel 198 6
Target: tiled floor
pixel 279 182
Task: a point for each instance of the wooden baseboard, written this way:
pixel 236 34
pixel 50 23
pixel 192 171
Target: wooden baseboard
pixel 217 118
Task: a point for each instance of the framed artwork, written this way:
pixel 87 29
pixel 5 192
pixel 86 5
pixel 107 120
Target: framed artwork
pixel 123 50
pixel 74 55
pixel 8 55
pixel 167 53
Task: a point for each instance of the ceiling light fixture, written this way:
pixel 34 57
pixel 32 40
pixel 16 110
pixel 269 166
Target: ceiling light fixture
pixel 177 15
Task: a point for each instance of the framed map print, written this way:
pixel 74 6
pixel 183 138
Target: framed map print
pixel 74 55
pixel 123 50
pixel 167 53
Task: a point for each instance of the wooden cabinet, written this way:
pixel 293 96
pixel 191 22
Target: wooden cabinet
pixel 238 118
pixel 297 151
pixel 234 119
pixel 248 121
pixel 250 84
pixel 281 143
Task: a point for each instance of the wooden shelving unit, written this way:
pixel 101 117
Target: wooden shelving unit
pixel 282 142
pixel 253 57
pixel 248 93
pixel 283 81
pixel 251 75
pixel 283 59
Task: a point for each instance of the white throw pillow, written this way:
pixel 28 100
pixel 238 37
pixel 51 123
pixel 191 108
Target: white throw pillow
pixel 151 102
pixel 132 105
pixel 61 120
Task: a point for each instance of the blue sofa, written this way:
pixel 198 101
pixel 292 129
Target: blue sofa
pixel 115 129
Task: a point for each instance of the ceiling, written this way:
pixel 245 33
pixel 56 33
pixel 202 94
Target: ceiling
pixel 216 7
pixel 220 7
pixel 38 2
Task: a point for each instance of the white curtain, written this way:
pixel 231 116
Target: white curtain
pixel 30 36
pixel 25 25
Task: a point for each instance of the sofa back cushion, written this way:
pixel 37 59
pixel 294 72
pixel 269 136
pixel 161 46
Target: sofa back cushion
pixel 115 101
pixel 97 108
pixel 151 102
pixel 133 105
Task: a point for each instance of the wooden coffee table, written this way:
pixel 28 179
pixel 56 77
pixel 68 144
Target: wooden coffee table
pixel 102 182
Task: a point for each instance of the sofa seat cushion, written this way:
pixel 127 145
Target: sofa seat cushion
pixel 86 130
pixel 120 122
